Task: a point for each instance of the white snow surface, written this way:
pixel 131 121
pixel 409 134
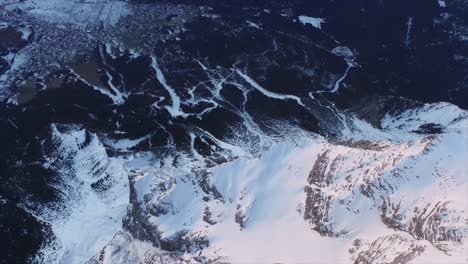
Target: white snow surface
pixel 341 79
pixel 269 191
pixel 262 216
pixel 448 115
pixel 343 51
pixel 89 218
pixel 313 21
pixel 260 212
pixel 175 109
pixel 409 28
pixel 252 24
pixel 77 12
pixel 267 93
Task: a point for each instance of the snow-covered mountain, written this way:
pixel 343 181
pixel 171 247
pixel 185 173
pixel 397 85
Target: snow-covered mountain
pixel 379 201
pixel 220 132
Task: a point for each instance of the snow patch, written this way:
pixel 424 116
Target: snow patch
pixel 313 21
pixel 252 24
pixel 267 93
pixel 409 29
pixel 343 51
pixel 449 116
pixel 174 110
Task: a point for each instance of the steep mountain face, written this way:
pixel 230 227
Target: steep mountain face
pixel 221 132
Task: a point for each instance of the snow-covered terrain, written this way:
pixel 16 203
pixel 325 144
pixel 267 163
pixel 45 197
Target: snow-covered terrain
pixel 211 132
pixel 313 21
pixel 356 200
pixel 82 13
pixel 96 197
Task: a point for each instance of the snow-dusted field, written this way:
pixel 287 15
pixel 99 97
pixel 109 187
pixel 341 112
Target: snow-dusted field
pixel 81 13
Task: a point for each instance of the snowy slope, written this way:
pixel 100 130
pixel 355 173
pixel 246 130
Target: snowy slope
pixel 96 196
pixel 364 201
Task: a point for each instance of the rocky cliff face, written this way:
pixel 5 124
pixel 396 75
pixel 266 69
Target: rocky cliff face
pixel 148 132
